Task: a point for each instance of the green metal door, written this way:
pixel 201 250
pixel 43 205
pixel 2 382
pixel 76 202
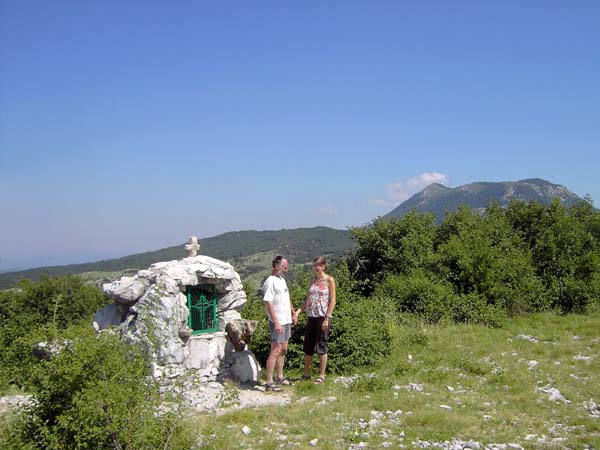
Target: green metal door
pixel 202 303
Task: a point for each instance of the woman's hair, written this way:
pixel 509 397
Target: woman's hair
pixel 320 260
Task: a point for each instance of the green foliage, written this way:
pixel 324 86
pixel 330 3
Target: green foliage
pixel 565 247
pixel 370 384
pixel 473 309
pixel 361 333
pixel 483 255
pixel 96 393
pixel 28 312
pixel 62 301
pixel 416 293
pixel 395 246
pixel 17 359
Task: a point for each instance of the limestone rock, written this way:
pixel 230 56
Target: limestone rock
pixel 127 290
pixel 240 332
pixel 46 350
pixel 151 309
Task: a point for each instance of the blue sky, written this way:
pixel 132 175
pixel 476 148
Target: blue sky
pixel 128 126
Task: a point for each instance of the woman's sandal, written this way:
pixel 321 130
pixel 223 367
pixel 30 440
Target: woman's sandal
pixel 319 380
pixel 283 381
pixel 271 387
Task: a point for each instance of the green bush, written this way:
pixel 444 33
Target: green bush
pixel 62 301
pixel 473 309
pixel 97 394
pixel 27 312
pixel 417 294
pixel 17 359
pixel 361 333
pixel 484 255
pixel 392 246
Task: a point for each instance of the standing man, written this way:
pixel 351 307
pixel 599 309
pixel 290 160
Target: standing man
pixel 280 312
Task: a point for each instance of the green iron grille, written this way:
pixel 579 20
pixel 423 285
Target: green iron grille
pixel 202 303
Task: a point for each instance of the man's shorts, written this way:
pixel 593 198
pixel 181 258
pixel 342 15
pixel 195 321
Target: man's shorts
pixel 280 338
pixel 315 338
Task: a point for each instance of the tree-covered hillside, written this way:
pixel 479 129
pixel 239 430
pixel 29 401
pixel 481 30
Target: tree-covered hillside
pixel 299 245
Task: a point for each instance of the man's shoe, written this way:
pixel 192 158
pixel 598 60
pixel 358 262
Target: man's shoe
pixel 272 387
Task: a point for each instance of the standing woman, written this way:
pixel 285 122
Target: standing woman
pixel 319 306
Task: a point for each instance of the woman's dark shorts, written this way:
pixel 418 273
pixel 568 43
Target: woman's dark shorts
pixel 315 338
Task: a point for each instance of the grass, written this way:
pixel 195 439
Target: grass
pixel 477 385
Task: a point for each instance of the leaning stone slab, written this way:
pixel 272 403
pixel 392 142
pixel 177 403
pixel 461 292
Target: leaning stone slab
pixel 245 367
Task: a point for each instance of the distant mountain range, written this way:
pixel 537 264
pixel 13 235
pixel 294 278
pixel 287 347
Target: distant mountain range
pixel 251 252
pixel 439 199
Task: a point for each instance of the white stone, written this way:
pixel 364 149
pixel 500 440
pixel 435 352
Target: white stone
pixel 203 352
pixel 127 290
pixel 526 337
pixel 415 387
pixel 246 430
pixel 232 300
pixel 313 442
pixel 532 364
pixel 227 316
pixel 554 394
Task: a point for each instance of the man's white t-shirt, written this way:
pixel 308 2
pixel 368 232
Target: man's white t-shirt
pixel 275 290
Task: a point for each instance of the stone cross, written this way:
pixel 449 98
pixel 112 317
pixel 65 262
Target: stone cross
pixel 192 246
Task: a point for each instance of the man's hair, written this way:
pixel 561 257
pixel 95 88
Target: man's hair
pixel 277 260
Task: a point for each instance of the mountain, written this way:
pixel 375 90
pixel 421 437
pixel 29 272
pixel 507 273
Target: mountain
pixel 439 199
pixel 249 252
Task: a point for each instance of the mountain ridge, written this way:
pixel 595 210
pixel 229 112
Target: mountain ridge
pixel 299 245
pixel 250 251
pixel 439 199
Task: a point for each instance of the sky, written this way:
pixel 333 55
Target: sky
pixel 127 126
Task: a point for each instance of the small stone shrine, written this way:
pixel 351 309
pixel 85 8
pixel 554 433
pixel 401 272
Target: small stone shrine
pixel 187 312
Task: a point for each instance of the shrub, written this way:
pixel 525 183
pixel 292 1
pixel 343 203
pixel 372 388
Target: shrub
pixel 484 255
pixel 473 309
pixel 62 301
pixel 416 293
pixel 392 246
pixel 361 333
pixel 97 394
pixel 26 313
